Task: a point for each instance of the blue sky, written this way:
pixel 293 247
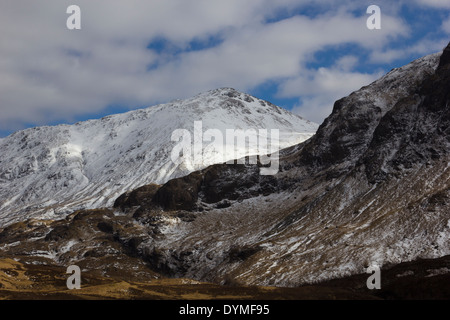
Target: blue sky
pixel 301 55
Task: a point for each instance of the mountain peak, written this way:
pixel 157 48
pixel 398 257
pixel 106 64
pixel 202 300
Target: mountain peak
pixel 445 57
pixel 42 169
pixel 227 92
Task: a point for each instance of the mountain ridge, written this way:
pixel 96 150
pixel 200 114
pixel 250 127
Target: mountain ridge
pixel 57 169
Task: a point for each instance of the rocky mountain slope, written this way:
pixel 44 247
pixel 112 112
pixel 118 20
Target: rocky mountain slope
pixel 47 171
pixel 372 187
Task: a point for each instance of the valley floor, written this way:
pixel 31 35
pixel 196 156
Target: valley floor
pixel 421 279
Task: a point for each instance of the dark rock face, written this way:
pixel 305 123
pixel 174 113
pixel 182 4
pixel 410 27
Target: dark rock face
pixel 179 194
pixel 139 197
pixel 342 136
pixel 411 128
pixel 445 57
pixel 216 184
pixel 415 131
pixel 220 183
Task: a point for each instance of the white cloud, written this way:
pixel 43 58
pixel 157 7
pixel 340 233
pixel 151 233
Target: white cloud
pixel 422 47
pixel 320 89
pixel 446 26
pixel 347 63
pixel 50 73
pixel 435 3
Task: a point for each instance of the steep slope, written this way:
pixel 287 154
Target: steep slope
pixel 48 171
pixel 372 187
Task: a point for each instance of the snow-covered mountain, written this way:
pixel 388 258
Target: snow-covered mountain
pixel 57 169
pixel 370 188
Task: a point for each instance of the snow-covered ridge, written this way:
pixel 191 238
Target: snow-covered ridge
pixel 55 169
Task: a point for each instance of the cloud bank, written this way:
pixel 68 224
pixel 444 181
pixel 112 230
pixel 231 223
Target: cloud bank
pixel 138 53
